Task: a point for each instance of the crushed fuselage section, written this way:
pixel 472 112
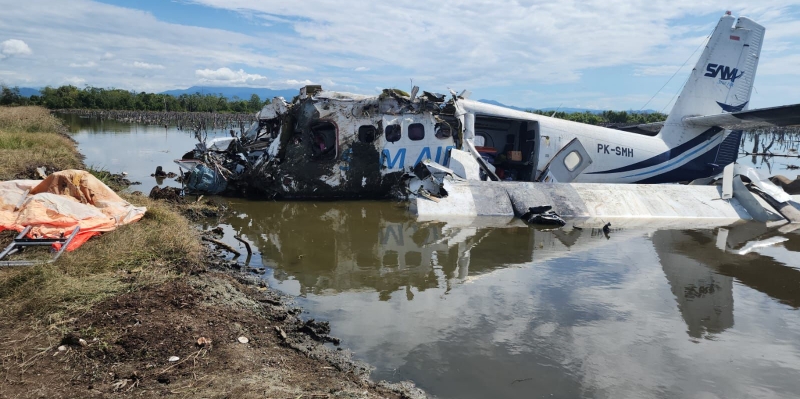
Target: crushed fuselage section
pixel 325 145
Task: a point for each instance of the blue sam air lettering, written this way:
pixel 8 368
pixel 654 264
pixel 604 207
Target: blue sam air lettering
pixel 399 160
pixel 390 163
pixel 723 72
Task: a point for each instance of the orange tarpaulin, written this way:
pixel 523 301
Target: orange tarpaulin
pixel 63 201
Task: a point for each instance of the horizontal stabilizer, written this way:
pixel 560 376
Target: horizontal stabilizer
pixel 787 115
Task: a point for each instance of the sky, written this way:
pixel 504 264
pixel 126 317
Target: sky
pixel 598 54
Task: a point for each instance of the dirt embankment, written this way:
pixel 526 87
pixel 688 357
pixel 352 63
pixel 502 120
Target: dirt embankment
pixel 147 310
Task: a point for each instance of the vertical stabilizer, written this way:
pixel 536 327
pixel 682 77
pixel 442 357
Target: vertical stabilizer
pixel 722 80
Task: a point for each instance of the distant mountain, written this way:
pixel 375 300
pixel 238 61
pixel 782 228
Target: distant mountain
pixel 562 109
pixel 243 93
pixel 28 91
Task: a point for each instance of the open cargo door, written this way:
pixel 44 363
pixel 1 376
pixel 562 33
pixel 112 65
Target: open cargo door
pixel 567 164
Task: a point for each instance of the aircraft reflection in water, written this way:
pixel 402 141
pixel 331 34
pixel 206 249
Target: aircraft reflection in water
pixel 336 247
pixel 701 277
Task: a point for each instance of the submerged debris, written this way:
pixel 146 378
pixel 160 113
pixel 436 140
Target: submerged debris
pixel 543 215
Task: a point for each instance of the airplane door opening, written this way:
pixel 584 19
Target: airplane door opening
pixel 509 145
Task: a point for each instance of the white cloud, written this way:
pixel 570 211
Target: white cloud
pixel 506 47
pixel 89 64
pixel 75 81
pixel 656 70
pixel 145 65
pixel 228 75
pixel 13 47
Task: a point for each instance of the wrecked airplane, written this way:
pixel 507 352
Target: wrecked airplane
pixel 332 145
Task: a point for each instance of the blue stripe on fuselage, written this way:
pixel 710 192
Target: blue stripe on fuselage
pixel 666 155
pixel 699 167
pixel 677 161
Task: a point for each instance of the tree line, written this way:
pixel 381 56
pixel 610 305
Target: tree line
pixel 607 117
pixel 71 97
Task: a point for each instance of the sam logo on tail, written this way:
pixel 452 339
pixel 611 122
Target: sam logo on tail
pixel 723 72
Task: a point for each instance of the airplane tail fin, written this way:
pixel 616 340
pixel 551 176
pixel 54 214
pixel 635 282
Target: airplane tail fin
pixel 722 80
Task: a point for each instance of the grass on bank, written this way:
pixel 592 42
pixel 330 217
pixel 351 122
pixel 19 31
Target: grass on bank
pixel 156 248
pixel 29 139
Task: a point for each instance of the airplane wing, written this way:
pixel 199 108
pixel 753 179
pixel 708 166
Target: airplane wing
pixel 787 115
pixel 648 129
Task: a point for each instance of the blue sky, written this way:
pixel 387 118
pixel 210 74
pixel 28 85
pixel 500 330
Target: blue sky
pixel 604 54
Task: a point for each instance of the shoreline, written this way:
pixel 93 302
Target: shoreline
pixel 140 306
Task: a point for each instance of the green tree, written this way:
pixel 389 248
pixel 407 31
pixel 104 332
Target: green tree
pixel 255 104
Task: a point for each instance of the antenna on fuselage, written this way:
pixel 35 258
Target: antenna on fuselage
pixel 554 112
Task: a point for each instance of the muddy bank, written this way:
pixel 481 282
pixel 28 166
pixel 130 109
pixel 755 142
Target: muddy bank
pixel 205 335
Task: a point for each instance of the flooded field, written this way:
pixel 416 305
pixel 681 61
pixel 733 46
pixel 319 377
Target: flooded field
pixel 495 308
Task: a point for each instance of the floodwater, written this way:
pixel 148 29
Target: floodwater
pixel 494 308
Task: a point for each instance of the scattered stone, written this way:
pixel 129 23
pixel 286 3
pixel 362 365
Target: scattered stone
pixel 243 340
pixel 281 332
pixel 160 172
pixel 83 342
pixel 173 359
pixel 62 348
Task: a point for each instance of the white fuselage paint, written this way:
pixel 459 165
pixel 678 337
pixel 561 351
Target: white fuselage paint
pixel 609 148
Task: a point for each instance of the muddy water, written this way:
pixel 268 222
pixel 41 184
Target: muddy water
pixel 493 308
pixel 131 148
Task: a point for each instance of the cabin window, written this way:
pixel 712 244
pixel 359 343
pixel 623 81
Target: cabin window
pixel 416 131
pixel 366 134
pixel 572 160
pixel 393 133
pixel 323 141
pixel 443 131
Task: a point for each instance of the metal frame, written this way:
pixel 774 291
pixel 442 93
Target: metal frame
pixel 20 242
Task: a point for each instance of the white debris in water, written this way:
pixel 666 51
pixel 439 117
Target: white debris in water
pixel 363 181
pixel 173 359
pixel 334 180
pixel 243 340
